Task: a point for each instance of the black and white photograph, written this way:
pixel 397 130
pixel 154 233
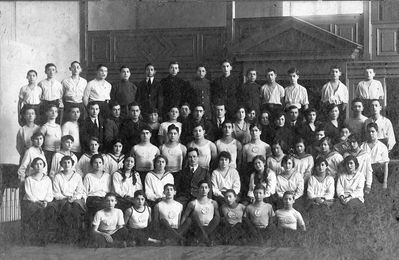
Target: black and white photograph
pixel 199 129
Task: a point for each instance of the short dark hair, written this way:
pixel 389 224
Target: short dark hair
pixel 93 103
pixel 94 157
pixel 192 149
pixel 32 164
pixel 335 66
pixel 159 156
pixel 293 70
pixel 271 70
pixel 174 62
pixel 48 65
pixel 37 134
pixel 224 61
pixel 66 158
pixel 149 64
pixel 249 70
pixel 355 100
pixel 202 182
pixel 173 127
pixel 231 191
pixel 224 154
pixel 319 160
pixel 286 158
pixel 101 65
pixel 259 187
pixel 201 65
pixel 75 61
pixel 372 125
pixel 123 67
pixel 67 137
pixel 113 104
pixel 110 194
pixel 169 185
pixel 31 71
pixel 288 192
pixel 133 104
pixel 139 193
pixel 355 137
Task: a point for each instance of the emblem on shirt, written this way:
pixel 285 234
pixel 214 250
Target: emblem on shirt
pixel 232 215
pixel 255 149
pixel 141 219
pixel 257 212
pixel 205 210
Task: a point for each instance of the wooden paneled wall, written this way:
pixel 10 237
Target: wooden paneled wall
pixel 136 48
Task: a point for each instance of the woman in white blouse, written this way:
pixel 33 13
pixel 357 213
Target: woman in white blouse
pixel 350 184
pixel 97 184
pixel 263 176
pixel 321 187
pixel 68 193
pixel 37 209
pixel 289 180
pixel 125 182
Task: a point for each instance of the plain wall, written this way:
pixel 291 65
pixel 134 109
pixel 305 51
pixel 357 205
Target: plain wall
pixel 32 34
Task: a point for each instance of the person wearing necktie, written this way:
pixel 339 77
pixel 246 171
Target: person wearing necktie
pixel 190 176
pixel 149 91
pixel 91 126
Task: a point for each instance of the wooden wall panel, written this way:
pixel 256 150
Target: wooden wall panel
pixel 136 48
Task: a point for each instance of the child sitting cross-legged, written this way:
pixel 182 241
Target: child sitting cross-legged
pixel 231 226
pixel 288 217
pixel 202 216
pixel 108 225
pixel 138 220
pixel 258 215
pixel 167 217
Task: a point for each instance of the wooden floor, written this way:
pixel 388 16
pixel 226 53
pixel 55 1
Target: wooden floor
pixel 201 253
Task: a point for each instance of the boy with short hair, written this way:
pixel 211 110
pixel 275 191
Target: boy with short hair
pixel 288 217
pixel 231 226
pixel 201 87
pixel 123 91
pixel 197 117
pixel 218 119
pixel 66 146
pixel 272 93
pixel 108 224
pixel 250 92
pixel 27 130
pixel 112 125
pixel 52 133
pixel 225 89
pixel 355 122
pixel 229 144
pixel 175 91
pixel 184 112
pixel 334 92
pixel 29 95
pixel 167 216
pixel 153 123
pixel 93 125
pixel 259 215
pixel 295 94
pixel 202 215
pixel 71 127
pixel 369 89
pixel 52 91
pixel 144 153
pixel 149 91
pixel 99 90
pixel 73 88
pixel 385 130
pixel 130 128
pixel 33 152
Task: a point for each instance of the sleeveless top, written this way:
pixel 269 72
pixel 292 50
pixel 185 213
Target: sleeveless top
pixel 138 220
pixel 231 148
pixel 204 212
pixel 175 157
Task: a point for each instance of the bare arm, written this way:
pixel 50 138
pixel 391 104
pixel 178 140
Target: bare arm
pixel 188 211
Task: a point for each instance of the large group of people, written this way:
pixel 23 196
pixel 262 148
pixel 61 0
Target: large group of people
pixel 182 162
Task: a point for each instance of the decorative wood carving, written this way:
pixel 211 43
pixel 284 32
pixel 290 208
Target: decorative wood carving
pixel 289 38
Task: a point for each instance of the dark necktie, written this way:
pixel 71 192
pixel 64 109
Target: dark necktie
pixel 95 122
pixel 149 83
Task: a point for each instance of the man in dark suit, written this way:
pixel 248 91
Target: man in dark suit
pixel 91 126
pixel 187 184
pixel 175 90
pixel 294 124
pixel 112 125
pixel 149 91
pixel 131 128
pixel 217 122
